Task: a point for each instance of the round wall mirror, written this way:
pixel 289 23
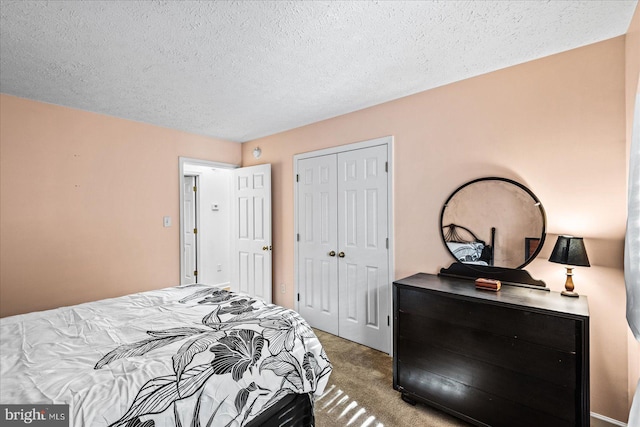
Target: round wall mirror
pixel 493 221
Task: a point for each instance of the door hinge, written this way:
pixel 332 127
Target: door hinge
pixel 386 166
pixel 298 237
pixel 297 178
pixel 388 321
pixel 387 243
pixel 195 273
pixel 195 231
pixel 195 188
pixel 298 297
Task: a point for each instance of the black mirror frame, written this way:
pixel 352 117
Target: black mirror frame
pixel 510 181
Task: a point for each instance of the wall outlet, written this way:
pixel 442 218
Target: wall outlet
pixel 283 288
pixel 166 221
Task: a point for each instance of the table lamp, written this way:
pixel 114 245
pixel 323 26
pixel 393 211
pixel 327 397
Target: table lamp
pixel 570 250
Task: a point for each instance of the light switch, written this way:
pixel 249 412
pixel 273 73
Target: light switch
pixel 167 221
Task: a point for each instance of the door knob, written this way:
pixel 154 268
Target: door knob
pixel 341 254
pixel 266 248
pixel 332 253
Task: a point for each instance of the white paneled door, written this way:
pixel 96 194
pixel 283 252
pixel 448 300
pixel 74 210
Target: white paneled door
pixel 251 231
pixel 343 256
pixel 189 247
pixel 318 242
pixel 363 274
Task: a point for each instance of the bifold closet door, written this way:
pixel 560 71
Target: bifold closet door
pixel 342 245
pixel 318 242
pixel 363 263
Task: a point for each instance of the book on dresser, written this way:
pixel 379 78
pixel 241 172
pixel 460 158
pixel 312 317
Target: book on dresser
pixel 488 284
pixel 517 357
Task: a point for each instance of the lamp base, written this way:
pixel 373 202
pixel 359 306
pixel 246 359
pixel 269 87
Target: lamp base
pixel 568 285
pixel 570 294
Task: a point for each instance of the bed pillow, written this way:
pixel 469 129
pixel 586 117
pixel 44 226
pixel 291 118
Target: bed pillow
pixel 465 252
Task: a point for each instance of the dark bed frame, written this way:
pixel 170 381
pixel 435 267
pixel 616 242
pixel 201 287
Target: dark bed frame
pixel 450 234
pixel 293 410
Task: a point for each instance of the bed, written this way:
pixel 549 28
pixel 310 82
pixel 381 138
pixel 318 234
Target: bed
pixel 466 247
pixel 184 356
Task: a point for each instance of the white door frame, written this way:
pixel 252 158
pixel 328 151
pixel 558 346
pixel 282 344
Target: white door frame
pixel 385 140
pixel 197 162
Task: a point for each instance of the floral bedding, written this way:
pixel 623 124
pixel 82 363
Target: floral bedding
pixel 184 356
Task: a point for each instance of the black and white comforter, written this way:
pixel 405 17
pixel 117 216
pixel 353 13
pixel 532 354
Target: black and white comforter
pixel 183 356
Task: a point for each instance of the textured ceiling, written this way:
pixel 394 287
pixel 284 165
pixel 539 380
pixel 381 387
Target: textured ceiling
pixel 242 70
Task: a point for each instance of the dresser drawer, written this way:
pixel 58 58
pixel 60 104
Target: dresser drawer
pixel 521 358
pixel 539 328
pixel 473 404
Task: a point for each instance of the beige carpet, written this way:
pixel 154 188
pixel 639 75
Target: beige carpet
pixel 360 391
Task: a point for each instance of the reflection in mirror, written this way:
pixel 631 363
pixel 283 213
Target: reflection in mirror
pixel 493 221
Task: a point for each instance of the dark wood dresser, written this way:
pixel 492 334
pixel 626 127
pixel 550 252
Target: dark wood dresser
pixel 516 357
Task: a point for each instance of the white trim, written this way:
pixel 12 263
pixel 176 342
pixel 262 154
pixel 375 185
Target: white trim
pixel 343 148
pixel 608 420
pixel 385 140
pixel 208 163
pixel 223 285
pixel 196 162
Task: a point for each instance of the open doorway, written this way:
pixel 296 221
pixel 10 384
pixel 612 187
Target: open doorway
pixel 232 233
pixel 205 222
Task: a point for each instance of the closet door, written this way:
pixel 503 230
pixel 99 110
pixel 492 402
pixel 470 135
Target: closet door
pixel 317 242
pixel 342 255
pixel 363 272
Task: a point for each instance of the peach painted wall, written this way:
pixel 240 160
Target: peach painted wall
pixel 556 125
pixel 83 196
pixel 632 89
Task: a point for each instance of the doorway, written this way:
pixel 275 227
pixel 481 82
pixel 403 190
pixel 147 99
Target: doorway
pixel 205 218
pixel 232 232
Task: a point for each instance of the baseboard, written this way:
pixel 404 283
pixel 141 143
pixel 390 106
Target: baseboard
pixel 598 420
pixel 225 285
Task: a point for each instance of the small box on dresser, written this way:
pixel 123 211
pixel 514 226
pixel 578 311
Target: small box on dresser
pixel 516 357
